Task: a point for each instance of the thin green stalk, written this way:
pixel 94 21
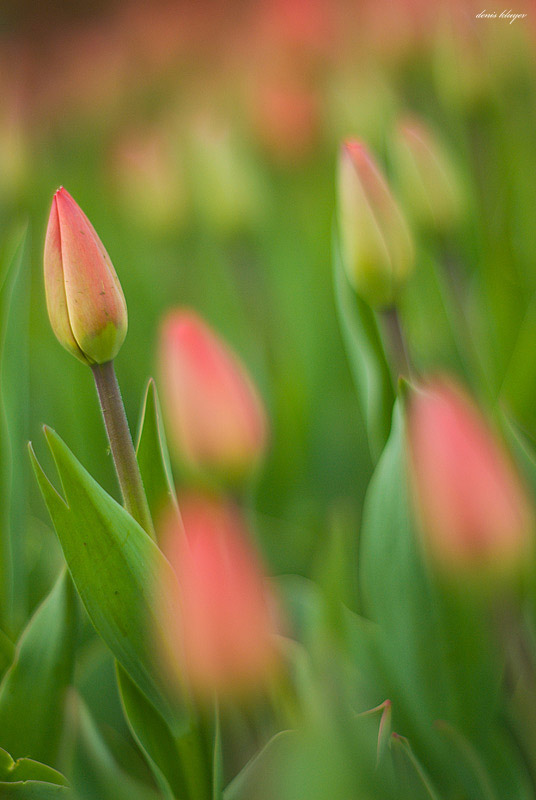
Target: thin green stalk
pixel 401 365
pixel 121 445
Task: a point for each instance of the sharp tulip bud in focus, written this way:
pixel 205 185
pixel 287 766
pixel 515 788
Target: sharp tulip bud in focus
pixel 85 301
pixel 222 638
pixel 214 413
pixel 377 250
pixel 426 176
pixel 474 512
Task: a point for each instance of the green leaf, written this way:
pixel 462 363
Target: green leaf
pixel 362 638
pixel 522 449
pixel 318 761
pixel 95 771
pixel 117 569
pixel 153 457
pixel 428 295
pixel 367 358
pixel 7 652
pixel 469 764
pixel 256 773
pixel 412 778
pixel 517 388
pixel 32 693
pixel 395 590
pixel 26 769
pixel 34 790
pixel 436 645
pixel 153 737
pixel 13 416
pixel 217 761
pixel 30 780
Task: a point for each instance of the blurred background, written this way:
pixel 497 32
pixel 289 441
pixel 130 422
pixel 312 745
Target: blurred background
pixel 201 139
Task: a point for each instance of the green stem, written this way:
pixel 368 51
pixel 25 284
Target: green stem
pixel 396 344
pixel 121 445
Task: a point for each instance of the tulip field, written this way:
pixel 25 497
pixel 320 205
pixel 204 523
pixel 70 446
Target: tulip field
pixel 267 400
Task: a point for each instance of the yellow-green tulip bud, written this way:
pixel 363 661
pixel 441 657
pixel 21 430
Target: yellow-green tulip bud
pixel 426 176
pixel 377 250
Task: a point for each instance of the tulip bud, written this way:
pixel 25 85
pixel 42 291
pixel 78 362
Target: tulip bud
pixel 85 301
pixel 377 250
pixel 427 178
pixel 222 638
pixel 474 512
pixel 214 413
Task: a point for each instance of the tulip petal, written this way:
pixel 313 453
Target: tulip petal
pixel 95 301
pixel 58 311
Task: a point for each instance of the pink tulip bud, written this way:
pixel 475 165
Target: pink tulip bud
pixel 474 511
pixel 85 301
pixel 214 412
pixel 377 250
pixel 223 636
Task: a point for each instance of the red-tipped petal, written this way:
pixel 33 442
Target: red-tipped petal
pixel 214 412
pixel 223 638
pixel 55 287
pixel 95 301
pixel 473 508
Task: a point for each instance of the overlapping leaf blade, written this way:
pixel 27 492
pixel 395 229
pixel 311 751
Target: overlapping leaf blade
pixel 436 647
pixel 367 358
pixel 95 771
pixel 117 569
pixel 153 737
pixel 38 678
pixel 30 780
pixel 153 458
pixel 13 407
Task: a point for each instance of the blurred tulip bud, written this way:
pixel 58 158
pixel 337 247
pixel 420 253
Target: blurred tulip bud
pixel 474 512
pixel 376 245
pixel 149 180
pixel 215 416
pixel 14 154
pixel 426 176
pixel 222 638
pixel 85 301
pixel 286 118
pixel 226 185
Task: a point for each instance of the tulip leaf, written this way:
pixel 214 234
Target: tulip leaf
pixel 34 790
pixel 256 773
pixel 117 569
pixel 39 676
pixel 412 778
pixel 395 591
pixel 7 652
pixel 522 449
pixel 30 780
pixel 153 737
pixel 95 771
pixel 428 296
pixel 436 647
pixel 368 362
pixel 518 382
pixel 217 761
pixel 469 762
pixel 153 457
pixel 13 407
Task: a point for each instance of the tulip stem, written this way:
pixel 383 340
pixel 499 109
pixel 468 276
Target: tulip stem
pixel 396 344
pixel 121 445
